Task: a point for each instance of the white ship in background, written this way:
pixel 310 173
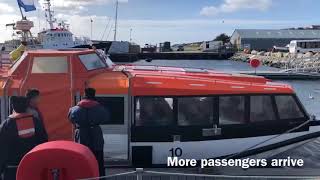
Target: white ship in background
pixel 56 37
pixel 59 37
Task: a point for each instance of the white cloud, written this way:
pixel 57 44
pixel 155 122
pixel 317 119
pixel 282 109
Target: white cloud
pixel 78 5
pixel 6 32
pixel 5 8
pixel 229 6
pixel 146 31
pixel 156 31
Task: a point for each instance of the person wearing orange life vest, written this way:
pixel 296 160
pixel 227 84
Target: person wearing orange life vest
pixel 87 116
pixel 19 133
pixel 33 96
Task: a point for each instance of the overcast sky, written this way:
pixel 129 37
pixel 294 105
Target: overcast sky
pixel 178 21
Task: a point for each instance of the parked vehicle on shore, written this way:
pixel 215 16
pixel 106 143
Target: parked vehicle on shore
pixel 280 49
pixel 303 46
pixel 160 112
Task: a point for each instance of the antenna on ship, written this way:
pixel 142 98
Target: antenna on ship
pixel 116 22
pixel 49 14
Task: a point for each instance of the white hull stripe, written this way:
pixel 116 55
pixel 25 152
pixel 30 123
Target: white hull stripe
pixel 26 131
pixel 237 87
pixel 270 89
pixel 199 85
pixel 153 82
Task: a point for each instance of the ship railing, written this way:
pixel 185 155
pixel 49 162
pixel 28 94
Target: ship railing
pixel 141 174
pixel 4 59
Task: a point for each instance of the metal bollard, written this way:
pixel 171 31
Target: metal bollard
pixel 55 174
pixel 139 172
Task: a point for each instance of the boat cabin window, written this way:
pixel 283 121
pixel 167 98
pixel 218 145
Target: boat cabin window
pixel 92 61
pixel 115 106
pixel 16 63
pixel 154 111
pixel 57 64
pixel 231 110
pixel 195 111
pixel 261 109
pixel 288 107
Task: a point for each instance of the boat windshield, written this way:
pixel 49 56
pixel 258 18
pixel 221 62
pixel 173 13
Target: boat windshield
pixel 16 63
pixel 105 57
pixel 92 61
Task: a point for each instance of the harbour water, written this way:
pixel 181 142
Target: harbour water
pixel 307 90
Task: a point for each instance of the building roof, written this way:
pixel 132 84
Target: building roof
pixel 280 34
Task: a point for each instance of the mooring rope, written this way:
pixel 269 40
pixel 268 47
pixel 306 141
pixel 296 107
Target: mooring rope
pixel 111 176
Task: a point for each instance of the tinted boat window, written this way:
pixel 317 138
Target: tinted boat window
pixel 231 110
pixel 154 111
pixel 115 106
pixel 195 111
pixel 92 61
pixel 288 107
pixel 261 109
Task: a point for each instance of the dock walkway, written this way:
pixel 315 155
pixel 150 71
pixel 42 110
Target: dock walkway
pixel 179 55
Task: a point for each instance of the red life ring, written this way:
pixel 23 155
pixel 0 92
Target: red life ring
pixel 255 63
pixel 71 160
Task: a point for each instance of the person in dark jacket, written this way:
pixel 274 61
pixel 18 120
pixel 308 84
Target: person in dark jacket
pixel 33 96
pixel 87 116
pixel 19 133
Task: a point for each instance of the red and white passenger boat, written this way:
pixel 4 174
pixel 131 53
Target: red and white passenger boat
pixel 161 111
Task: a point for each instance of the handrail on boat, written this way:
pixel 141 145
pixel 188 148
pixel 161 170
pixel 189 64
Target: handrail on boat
pixel 139 173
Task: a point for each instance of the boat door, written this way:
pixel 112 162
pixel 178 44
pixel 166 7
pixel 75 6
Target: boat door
pixel 115 132
pixel 51 76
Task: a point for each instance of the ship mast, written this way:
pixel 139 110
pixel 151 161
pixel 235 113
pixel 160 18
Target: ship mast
pixel 116 22
pixel 23 17
pixel 49 14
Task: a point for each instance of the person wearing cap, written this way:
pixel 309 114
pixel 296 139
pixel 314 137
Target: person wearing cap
pixel 33 97
pixel 19 133
pixel 87 116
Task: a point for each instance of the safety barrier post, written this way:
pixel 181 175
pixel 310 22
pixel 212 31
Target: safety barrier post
pixel 139 172
pixel 55 174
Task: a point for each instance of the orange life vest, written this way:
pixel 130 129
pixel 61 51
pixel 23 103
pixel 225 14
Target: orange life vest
pixel 25 124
